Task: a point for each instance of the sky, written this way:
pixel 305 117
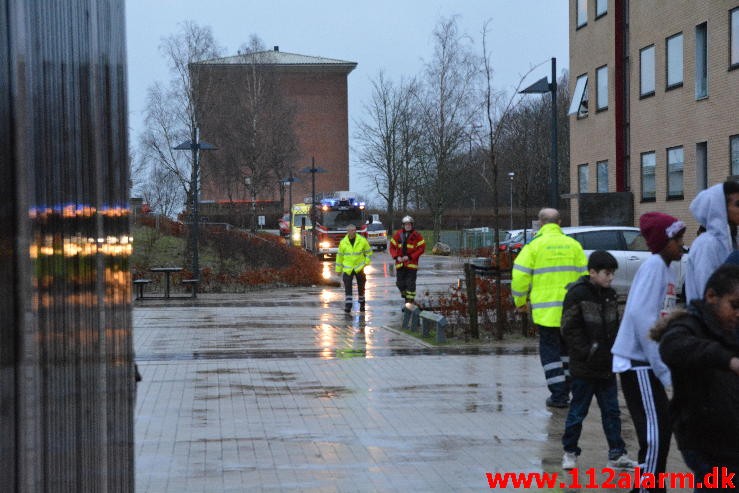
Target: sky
pixel 394 36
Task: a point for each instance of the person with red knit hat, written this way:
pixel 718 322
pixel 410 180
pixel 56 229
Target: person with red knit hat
pixel 644 376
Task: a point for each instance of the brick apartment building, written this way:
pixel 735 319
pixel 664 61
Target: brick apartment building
pixel 315 87
pixel 655 99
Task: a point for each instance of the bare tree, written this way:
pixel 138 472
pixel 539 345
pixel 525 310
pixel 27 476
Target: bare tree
pixel 447 114
pixel 389 141
pixel 256 124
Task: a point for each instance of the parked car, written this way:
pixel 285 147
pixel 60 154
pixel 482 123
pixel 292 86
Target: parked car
pixel 515 240
pixel 284 225
pixel 377 236
pixel 628 246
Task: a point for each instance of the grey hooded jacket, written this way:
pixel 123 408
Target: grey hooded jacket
pixel 711 248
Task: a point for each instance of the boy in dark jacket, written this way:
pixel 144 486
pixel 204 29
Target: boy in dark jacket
pixel 700 345
pixel 589 327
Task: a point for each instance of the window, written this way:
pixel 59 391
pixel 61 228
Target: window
pixel 582 13
pixel 734 154
pixel 601 88
pixel 635 242
pixel 579 103
pixel 602 177
pixel 582 178
pixel 675 163
pixel 701 61
pixel 646 71
pixel 648 184
pixel 601 8
pixel 607 239
pixel 674 61
pixel 701 166
pixel 734 38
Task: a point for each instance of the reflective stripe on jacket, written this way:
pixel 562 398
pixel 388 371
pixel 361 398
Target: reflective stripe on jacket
pixel 542 271
pixel 415 247
pixel 353 258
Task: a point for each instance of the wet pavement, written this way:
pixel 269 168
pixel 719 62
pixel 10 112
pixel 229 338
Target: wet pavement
pixel 279 390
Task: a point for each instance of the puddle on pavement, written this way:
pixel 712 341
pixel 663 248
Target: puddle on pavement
pixel 337 353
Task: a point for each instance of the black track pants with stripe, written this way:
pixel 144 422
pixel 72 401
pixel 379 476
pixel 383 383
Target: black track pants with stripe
pixel 648 405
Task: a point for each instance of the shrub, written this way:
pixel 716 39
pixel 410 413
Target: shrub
pixel 231 260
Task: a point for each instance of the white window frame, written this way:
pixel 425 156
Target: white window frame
pixel 650 195
pixel 601 8
pixel 601 176
pixel 579 103
pixel 583 178
pixel 581 14
pixel 674 61
pixel 701 165
pixel 647 80
pixel 601 88
pixel 701 61
pixel 675 172
pixel 734 155
pixel 734 38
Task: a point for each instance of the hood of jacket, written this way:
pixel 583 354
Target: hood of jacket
pixel 695 308
pixel 660 327
pixel 709 209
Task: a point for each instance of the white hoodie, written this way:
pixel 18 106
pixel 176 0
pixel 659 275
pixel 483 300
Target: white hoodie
pixel 711 248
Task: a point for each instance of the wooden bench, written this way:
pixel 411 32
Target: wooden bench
pixel 193 283
pixel 433 320
pixel 140 283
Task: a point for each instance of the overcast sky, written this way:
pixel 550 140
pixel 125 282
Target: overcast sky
pixel 389 35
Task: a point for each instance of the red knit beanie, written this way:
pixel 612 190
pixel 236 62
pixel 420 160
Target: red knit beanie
pixel 658 229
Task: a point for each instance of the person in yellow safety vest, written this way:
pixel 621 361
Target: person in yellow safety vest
pixel 353 256
pixel 541 273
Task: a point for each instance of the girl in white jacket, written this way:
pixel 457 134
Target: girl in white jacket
pixel 717 209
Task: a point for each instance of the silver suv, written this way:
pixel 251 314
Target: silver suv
pixel 377 236
pixel 628 246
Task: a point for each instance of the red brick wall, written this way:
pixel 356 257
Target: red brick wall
pixel 321 126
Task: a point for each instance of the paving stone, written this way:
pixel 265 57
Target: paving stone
pixel 278 390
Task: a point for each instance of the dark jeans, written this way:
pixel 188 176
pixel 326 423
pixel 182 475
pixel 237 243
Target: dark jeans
pixel 701 464
pixel 554 360
pixel 361 282
pixel 606 393
pixel 406 282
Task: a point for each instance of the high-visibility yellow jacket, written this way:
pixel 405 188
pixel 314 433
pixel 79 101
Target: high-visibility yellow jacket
pixel 353 258
pixel 542 271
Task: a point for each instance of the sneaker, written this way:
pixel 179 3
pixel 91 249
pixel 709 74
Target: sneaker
pixel 622 462
pixel 560 404
pixel 569 461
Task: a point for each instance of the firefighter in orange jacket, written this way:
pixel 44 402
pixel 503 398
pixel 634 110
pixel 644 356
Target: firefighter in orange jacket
pixel 406 247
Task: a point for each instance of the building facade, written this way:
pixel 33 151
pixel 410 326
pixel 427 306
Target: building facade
pixel 314 88
pixel 654 103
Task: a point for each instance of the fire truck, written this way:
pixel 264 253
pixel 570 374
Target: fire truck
pixel 332 214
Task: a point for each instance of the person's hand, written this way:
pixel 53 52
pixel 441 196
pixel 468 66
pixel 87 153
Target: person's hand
pixel 734 365
pixel 522 309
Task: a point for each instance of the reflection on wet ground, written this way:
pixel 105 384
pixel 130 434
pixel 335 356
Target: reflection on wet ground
pixel 280 390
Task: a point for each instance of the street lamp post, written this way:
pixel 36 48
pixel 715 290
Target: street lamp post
pixel 195 145
pixel 249 184
pixel 288 182
pixel 510 176
pixel 313 213
pixel 541 86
